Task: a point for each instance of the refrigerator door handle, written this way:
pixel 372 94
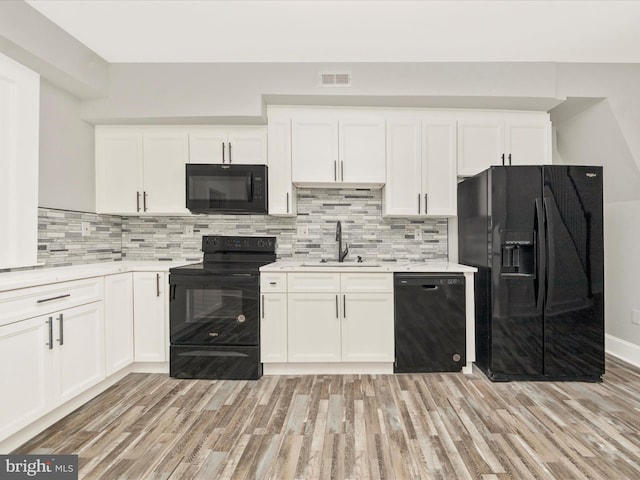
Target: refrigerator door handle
pixel 541 254
pixel 550 253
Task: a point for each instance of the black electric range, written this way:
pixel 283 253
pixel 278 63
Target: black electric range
pixel 214 310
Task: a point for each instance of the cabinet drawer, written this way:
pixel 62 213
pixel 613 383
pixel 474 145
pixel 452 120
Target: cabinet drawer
pixel 29 302
pixel 273 282
pixel 366 283
pixel 313 282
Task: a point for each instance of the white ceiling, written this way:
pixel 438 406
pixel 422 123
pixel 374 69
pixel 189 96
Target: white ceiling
pixel 352 31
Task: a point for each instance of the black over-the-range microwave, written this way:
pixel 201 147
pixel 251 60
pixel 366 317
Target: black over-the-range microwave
pixel 238 189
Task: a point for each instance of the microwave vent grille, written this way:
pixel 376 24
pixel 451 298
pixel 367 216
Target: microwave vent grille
pixel 335 79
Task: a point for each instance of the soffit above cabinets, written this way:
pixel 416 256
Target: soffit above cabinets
pixel 537 104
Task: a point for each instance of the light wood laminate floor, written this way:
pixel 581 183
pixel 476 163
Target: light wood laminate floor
pixel 421 426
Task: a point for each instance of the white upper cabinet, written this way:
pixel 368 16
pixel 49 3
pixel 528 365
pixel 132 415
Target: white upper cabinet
pixel 19 142
pixel 491 138
pixel 421 166
pixel 241 145
pixel 528 139
pixel 314 150
pixel 403 190
pixel 282 192
pixel 336 147
pixel 439 167
pixel 118 169
pixel 362 150
pixel 141 170
pixel 165 157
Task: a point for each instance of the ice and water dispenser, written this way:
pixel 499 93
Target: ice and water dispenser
pixel 518 253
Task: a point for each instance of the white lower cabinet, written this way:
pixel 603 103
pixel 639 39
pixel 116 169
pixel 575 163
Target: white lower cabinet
pixel 314 327
pixel 150 316
pixel 78 351
pixel 118 324
pixel 59 340
pixel 367 327
pixel 273 328
pixel 25 369
pixel 327 317
pixel 48 360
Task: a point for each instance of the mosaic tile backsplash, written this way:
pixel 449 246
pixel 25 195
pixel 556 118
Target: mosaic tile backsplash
pixel 309 236
pixel 60 240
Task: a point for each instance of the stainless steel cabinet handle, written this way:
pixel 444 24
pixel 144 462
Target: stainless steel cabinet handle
pixel 335 170
pixel 418 203
pixel 502 159
pixel 229 152
pixel 425 204
pixel 287 202
pixel 337 313
pixel 157 284
pixel 137 201
pixel 509 159
pixel 262 306
pixel 341 170
pixel 344 306
pixel 50 322
pixel 222 152
pixel 61 339
pixel 144 201
pixel 53 298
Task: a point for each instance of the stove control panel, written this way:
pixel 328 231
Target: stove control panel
pixel 220 243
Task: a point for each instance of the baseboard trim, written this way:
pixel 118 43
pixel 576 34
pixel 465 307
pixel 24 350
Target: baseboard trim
pixel 151 367
pixel 627 351
pixel 373 368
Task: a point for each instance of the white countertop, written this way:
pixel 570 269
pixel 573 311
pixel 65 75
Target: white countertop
pixel 43 276
pixel 284 266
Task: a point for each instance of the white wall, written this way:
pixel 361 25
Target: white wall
pixel 157 91
pixel 67 178
pixel 33 40
pixel 622 264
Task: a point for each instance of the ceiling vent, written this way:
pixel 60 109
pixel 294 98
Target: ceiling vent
pixel 335 79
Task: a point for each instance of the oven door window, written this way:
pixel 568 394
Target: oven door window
pixel 220 312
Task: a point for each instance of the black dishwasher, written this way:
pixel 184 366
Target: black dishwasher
pixel 429 323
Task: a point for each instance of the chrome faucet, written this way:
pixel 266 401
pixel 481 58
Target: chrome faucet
pixel 341 254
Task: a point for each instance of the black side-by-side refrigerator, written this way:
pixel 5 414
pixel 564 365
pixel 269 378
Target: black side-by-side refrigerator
pixel 535 233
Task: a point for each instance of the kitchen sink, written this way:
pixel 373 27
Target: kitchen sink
pixel 340 264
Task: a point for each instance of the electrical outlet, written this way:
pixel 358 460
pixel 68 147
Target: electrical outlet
pixel 86 228
pixel 417 234
pixel 188 230
pixel 635 317
pixel 302 230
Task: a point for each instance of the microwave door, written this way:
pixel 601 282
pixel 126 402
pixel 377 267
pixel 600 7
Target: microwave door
pixel 216 198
